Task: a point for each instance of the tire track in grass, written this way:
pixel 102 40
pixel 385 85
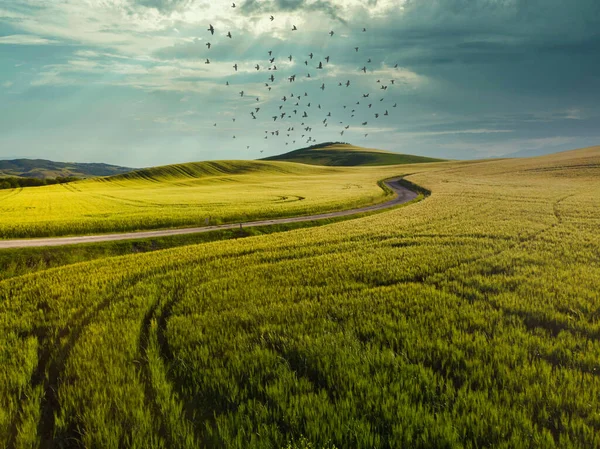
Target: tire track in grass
pixel 51 363
pixel 175 427
pixel 186 408
pixel 53 353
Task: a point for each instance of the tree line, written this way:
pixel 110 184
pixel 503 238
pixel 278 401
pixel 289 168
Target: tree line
pixel 15 182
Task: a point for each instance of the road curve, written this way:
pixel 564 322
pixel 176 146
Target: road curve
pixel 401 195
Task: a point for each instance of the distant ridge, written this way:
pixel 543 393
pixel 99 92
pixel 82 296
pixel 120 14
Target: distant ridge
pixel 196 170
pixel 344 154
pixel 44 169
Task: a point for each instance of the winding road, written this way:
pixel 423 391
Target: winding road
pixel 401 195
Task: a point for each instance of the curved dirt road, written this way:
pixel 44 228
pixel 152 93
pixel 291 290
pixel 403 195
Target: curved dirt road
pixel 402 195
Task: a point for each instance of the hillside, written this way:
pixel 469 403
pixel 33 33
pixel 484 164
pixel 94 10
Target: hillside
pixel 467 320
pixel 43 169
pixel 190 194
pixel 343 154
pixel 198 170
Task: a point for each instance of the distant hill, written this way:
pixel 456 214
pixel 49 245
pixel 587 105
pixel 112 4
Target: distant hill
pixel 196 170
pixel 43 169
pixel 344 154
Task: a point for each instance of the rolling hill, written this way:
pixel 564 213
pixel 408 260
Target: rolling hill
pixel 469 319
pixel 343 154
pixel 190 194
pixel 43 169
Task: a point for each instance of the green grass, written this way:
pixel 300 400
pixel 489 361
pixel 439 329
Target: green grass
pixel 467 320
pixel 20 261
pixel 348 155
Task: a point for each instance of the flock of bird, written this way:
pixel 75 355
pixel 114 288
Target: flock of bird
pixel 295 116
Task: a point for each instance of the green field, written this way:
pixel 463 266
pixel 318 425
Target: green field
pixel 192 194
pixel 470 319
pixel 346 155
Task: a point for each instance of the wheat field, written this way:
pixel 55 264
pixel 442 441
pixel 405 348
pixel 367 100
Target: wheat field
pixel 468 320
pixel 189 195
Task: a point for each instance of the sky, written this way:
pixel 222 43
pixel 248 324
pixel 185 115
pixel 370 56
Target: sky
pixel 127 81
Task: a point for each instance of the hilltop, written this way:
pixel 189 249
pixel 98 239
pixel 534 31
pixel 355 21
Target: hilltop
pixel 344 154
pixel 44 169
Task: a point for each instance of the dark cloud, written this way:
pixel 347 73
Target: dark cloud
pixel 251 7
pixel 165 6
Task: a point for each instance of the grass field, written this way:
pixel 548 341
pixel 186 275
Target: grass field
pixel 468 320
pixel 346 155
pixel 187 195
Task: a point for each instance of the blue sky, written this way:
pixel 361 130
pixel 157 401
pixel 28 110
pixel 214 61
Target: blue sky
pixel 126 81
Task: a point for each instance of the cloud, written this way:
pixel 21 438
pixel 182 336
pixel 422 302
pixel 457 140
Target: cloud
pixel 473 75
pixel 25 39
pixel 458 131
pixel 253 7
pixel 165 6
pixel 7 84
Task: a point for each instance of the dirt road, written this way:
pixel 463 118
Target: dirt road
pixel 402 195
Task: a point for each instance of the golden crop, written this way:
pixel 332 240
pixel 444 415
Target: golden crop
pixel 187 195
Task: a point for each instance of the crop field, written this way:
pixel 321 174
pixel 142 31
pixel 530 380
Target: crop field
pixel 468 320
pixel 188 195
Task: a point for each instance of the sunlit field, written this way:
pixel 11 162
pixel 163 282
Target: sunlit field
pixel 470 319
pixel 189 195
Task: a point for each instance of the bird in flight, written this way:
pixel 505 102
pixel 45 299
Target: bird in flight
pixel 327 58
pixel 241 93
pixel 207 61
pixel 323 86
pixel 211 29
pixel 294 28
pixel 233 5
pixel 347 83
pixel 364 30
pixel 356 48
pixel 290 58
pixel 364 69
pixel 331 33
pixel 235 66
pixel 311 56
pixel 257 67
pixel 272 78
pixel 208 45
pixel 272 18
pixel 229 34
pixel 320 66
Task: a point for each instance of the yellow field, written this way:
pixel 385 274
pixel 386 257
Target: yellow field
pixel 470 319
pixel 188 195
